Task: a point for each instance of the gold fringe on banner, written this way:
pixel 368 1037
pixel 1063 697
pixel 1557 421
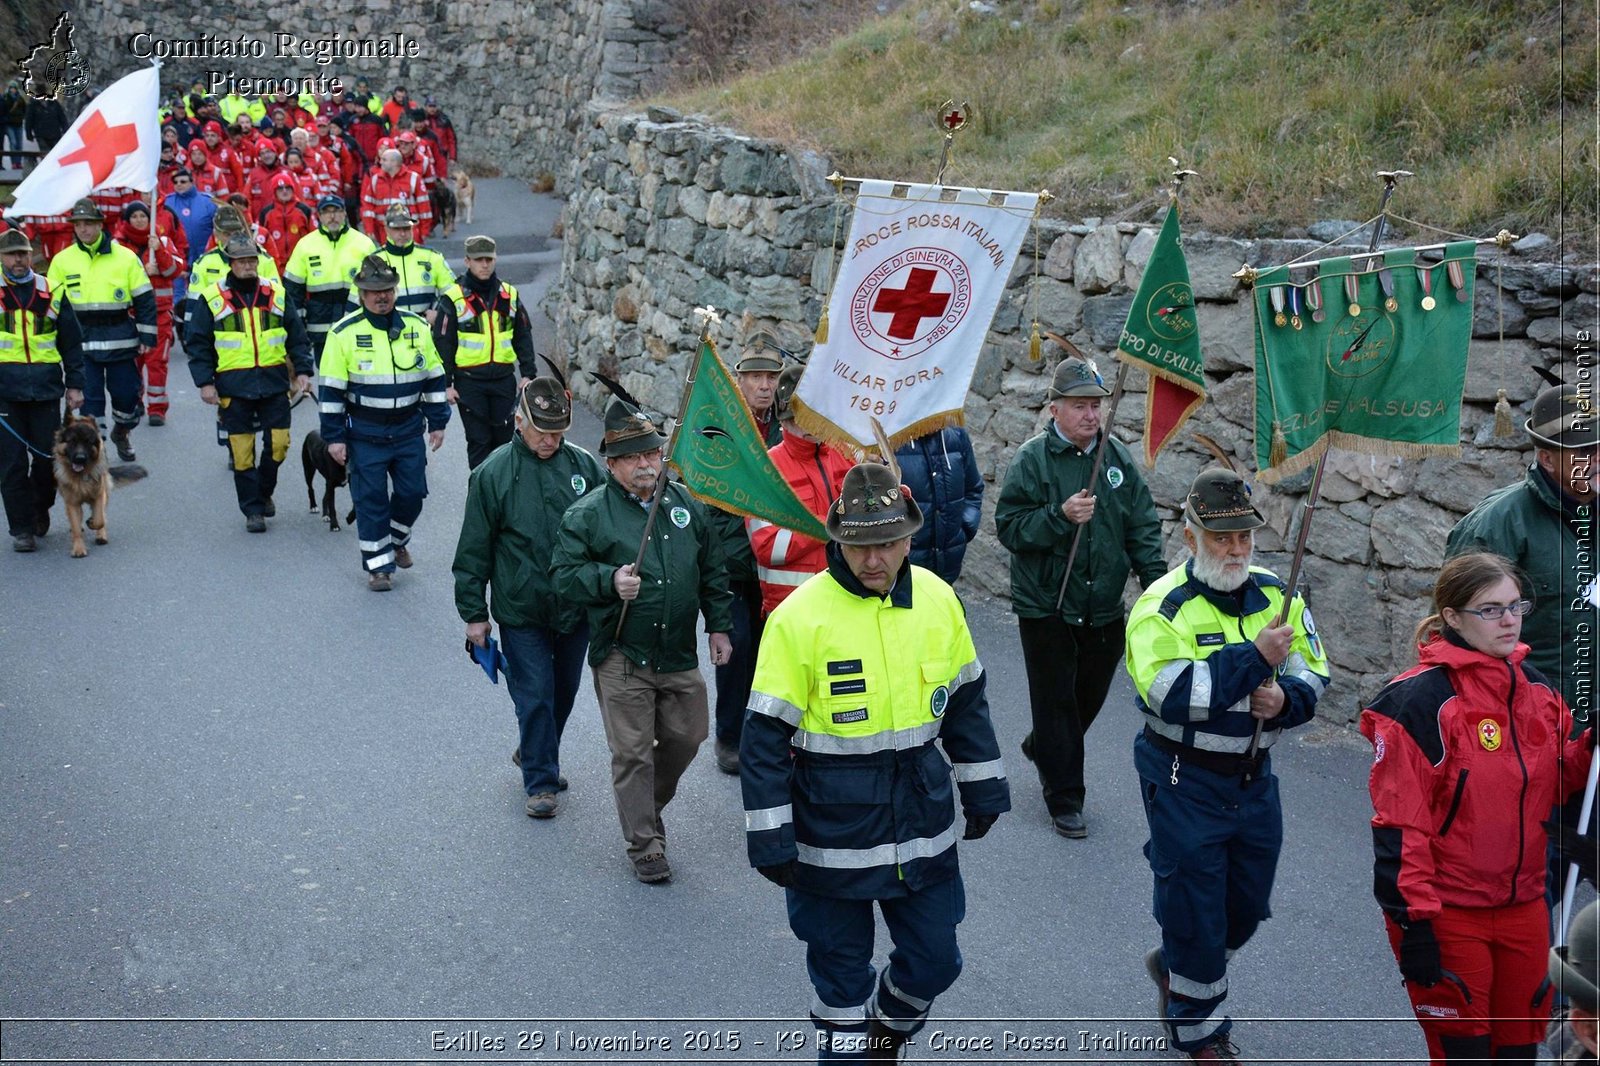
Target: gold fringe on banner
pixel 825 430
pixel 1278 450
pixel 822 327
pixel 1035 352
pixel 1503 426
pixel 1354 442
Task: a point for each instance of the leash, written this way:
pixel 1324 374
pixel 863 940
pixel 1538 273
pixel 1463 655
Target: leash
pixel 7 423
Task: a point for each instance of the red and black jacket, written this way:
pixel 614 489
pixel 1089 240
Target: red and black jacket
pixel 1470 753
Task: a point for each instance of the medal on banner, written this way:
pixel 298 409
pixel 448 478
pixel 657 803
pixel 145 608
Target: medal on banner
pixel 1314 299
pixel 1425 279
pixel 1294 307
pixel 1275 294
pixel 1352 289
pixel 1458 281
pixel 1386 283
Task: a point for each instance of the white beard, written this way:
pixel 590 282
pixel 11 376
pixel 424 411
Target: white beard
pixel 1220 573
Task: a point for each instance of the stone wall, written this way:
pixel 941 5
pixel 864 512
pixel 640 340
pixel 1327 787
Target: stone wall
pixel 667 215
pixel 513 75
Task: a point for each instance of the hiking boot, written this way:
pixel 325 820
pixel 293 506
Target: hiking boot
pixel 402 557
pixel 1070 825
pixel 1222 1050
pixel 1027 746
pixel 254 523
pixel 41 525
pixel 268 508
pixel 119 438
pixel 727 758
pixel 542 805
pixel 155 420
pixel 23 542
pixel 380 582
pixel 652 868
pixel 1156 966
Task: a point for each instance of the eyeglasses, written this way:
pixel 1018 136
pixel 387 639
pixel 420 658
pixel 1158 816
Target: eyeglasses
pixel 1495 611
pixel 181 181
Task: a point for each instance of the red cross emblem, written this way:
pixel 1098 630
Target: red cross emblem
pixel 953 119
pixel 102 146
pixel 891 308
pixel 912 304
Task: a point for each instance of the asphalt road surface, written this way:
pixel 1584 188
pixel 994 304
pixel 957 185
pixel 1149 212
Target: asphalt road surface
pixel 254 812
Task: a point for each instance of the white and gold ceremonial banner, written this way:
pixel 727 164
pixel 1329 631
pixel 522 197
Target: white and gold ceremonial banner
pixel 917 287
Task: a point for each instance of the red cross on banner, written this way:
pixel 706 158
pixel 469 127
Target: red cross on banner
pixel 912 304
pixel 102 146
pixel 115 142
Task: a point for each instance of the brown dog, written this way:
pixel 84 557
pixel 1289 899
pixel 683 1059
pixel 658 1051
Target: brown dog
pixel 83 478
pixel 464 194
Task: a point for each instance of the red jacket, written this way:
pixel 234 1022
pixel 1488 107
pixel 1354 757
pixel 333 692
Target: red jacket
pixel 785 559
pixel 380 190
pixel 168 263
pixel 1470 753
pixel 445 133
pixel 285 224
pixel 258 185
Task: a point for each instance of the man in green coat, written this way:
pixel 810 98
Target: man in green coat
pixel 1545 524
pixel 515 500
pixel 646 674
pixel 1071 651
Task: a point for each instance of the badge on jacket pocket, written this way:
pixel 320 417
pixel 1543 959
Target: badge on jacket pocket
pixel 680 517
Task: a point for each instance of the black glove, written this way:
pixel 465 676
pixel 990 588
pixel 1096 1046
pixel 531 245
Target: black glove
pixel 781 874
pixel 978 825
pixel 1573 847
pixel 1419 955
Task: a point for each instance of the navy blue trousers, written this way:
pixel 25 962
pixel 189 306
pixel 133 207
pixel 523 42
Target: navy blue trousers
pixel 924 961
pixel 1214 843
pixel 735 676
pixel 543 670
pixel 384 519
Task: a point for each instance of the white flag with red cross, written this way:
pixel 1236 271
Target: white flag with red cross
pixel 918 284
pixel 115 141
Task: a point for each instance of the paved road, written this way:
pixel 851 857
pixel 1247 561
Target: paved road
pixel 236 786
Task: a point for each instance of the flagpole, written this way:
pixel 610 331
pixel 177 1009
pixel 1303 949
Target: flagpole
pixel 709 317
pixel 1391 178
pixel 1110 420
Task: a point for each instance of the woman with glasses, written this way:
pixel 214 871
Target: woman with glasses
pixel 1470 752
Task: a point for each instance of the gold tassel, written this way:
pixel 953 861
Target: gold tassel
pixel 1503 426
pixel 1034 352
pixel 822 327
pixel 1279 450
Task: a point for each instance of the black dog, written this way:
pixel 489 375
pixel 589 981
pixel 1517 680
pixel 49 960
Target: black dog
pixel 316 460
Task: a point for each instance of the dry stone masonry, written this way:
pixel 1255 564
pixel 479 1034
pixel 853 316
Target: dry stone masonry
pixel 668 214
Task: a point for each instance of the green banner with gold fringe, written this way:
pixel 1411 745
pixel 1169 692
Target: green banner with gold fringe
pixel 719 453
pixel 1367 353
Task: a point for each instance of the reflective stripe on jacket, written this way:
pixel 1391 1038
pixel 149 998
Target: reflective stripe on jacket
pixel 380 377
pixel 838 760
pixel 785 559
pixel 112 296
pixel 1193 661
pixel 483 334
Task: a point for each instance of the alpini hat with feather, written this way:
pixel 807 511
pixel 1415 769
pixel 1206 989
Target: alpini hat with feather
pixel 1219 502
pixel 1564 417
pixel 873 508
pixel 628 431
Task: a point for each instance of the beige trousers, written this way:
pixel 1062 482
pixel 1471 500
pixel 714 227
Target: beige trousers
pixel 654 723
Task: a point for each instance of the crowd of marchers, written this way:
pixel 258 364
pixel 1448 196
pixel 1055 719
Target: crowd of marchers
pixel 850 700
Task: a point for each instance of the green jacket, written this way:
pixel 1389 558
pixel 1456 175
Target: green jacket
pixel 1524 523
pixel 683 573
pixel 515 501
pixel 1123 536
